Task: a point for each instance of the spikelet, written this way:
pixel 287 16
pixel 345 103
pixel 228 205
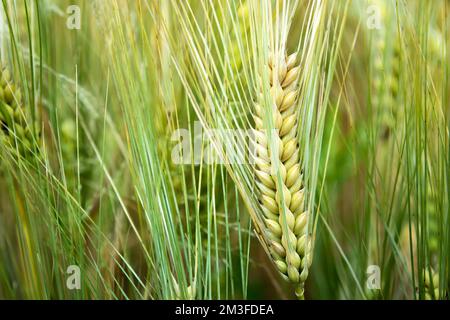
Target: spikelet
pixel 16 133
pixel 386 75
pixel 69 150
pixel 432 212
pixel 282 202
pixel 431 284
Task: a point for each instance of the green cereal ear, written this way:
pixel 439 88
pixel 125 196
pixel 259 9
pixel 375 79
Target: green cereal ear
pixel 15 131
pixel 286 223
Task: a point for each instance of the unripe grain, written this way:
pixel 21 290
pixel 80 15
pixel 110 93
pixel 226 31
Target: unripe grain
pixel 16 132
pixel 279 175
